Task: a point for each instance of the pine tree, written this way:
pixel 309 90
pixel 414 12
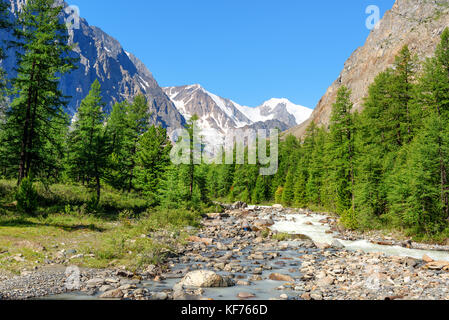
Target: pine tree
pixel 43 56
pixel 342 150
pixel 88 143
pixel 138 121
pixel 419 193
pixel 4 25
pixel 117 174
pixel 429 152
pixel 288 195
pixel 153 158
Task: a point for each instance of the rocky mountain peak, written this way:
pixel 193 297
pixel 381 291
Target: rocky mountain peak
pixel 122 75
pixel 416 23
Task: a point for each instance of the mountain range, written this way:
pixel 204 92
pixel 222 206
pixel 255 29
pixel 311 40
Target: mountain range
pixel 222 114
pixel 122 76
pixel 416 23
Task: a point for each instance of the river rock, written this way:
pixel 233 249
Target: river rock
pixel 326 281
pixel 322 246
pixel 206 241
pixel 426 258
pixel 281 277
pixel 337 244
pixel 246 295
pixel 277 206
pixel 112 294
pixel 205 279
pixel 159 296
pixel 95 282
pixel 437 265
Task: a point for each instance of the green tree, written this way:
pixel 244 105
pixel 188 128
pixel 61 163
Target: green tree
pixel 4 25
pixel 341 150
pixel 88 143
pixel 138 122
pixel 419 192
pixel 117 174
pixel 43 56
pixel 153 158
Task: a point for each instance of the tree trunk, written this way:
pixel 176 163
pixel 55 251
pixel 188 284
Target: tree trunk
pixel 24 151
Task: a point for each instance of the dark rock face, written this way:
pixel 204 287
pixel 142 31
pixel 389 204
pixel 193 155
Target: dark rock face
pixel 121 74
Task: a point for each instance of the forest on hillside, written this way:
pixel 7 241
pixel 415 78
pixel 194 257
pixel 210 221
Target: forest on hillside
pixel 384 167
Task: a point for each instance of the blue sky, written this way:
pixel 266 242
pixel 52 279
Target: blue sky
pixel 245 50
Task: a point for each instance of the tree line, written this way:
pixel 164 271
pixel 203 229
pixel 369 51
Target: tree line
pixel 38 139
pixel 387 165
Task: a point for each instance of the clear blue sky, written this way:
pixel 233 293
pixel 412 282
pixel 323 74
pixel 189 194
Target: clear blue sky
pixel 245 50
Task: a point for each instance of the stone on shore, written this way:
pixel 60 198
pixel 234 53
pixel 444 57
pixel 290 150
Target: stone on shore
pixel 281 277
pixel 205 279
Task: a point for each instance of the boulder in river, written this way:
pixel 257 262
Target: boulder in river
pixel 281 277
pixel 246 295
pixel 262 224
pixel 322 246
pixel 205 279
pixel 112 294
pixel 337 244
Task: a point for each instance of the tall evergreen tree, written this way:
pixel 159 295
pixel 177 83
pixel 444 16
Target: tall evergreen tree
pixel 342 151
pixel 153 158
pixel 138 122
pixel 88 143
pixel 38 106
pixel 4 25
pixel 117 174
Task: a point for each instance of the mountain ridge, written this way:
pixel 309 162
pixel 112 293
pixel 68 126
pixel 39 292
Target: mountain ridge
pixel 223 114
pixel 416 23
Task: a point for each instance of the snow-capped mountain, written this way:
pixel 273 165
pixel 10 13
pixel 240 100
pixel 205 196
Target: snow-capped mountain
pixel 222 114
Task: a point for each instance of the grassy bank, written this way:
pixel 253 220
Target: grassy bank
pixel 121 231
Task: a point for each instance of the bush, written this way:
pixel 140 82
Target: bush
pixel 349 219
pixel 278 194
pixel 27 197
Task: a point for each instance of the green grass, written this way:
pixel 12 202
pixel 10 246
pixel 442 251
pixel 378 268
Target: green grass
pixel 122 231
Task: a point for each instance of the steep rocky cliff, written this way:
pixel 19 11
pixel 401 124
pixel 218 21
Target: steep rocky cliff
pixel 417 23
pixel 120 73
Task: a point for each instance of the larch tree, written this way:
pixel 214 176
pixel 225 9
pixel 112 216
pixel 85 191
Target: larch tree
pixel 43 56
pixel 88 142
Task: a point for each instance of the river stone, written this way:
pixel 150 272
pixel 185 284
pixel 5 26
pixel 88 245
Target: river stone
pixel 337 244
pixel 159 296
pixel 95 282
pixel 325 282
pixel 246 295
pixel 205 279
pixel 277 206
pixel 281 277
pixel 106 288
pixel 112 294
pixel 322 246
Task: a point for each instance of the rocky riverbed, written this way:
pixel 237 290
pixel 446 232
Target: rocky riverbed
pixel 239 254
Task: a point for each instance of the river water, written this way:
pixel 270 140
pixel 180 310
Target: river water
pixel 318 232
pixel 287 262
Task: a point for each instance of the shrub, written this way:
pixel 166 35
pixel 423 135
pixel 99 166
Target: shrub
pixel 349 219
pixel 27 197
pixel 278 194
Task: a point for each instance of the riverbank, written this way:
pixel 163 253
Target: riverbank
pixel 236 255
